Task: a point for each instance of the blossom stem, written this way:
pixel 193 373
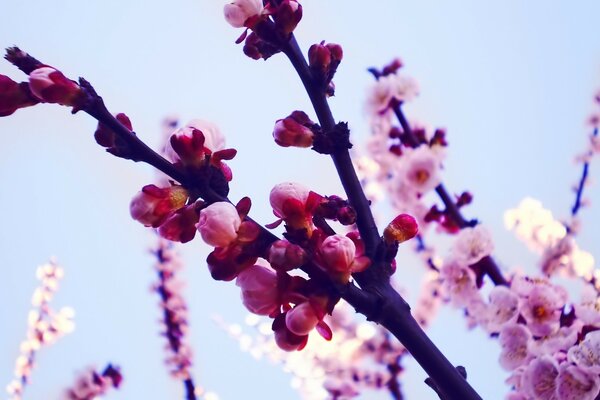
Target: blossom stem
pixel 489 265
pixel 341 157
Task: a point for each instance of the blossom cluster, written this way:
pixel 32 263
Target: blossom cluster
pixel 45 326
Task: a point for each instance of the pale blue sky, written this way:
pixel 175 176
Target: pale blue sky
pixel 512 81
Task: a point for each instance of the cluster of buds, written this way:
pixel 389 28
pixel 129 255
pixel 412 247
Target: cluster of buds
pixel 92 384
pixel 390 89
pixel 45 326
pixel 198 149
pixel 271 24
pixel 295 130
pixel 46 84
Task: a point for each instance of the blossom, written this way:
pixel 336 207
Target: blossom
pixel 239 11
pixel 514 340
pixel 539 378
pixel 541 305
pixel 458 281
pixel 390 87
pixel 219 223
pixel 502 309
pixel 473 244
pixel 260 293
pixel 302 319
pixel 577 383
pixel 419 169
pixel 587 353
pixel 152 205
pixel 50 85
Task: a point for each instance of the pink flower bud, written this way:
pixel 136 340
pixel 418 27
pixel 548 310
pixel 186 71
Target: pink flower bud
pixel 50 85
pixel 260 294
pixel 285 339
pixel 287 16
pixel 301 319
pixel 401 229
pixel 219 224
pixel 294 130
pixel 285 256
pixel 14 95
pixel 319 57
pixel 287 195
pixel 181 225
pixel 239 11
pixel 153 205
pixel 193 142
pixel 338 253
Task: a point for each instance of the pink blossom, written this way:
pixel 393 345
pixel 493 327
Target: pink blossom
pixel 219 224
pixel 458 281
pixel 260 294
pixel 559 341
pixel 541 306
pixel 588 309
pixel 239 11
pixel 539 378
pixel 50 85
pixel 390 87
pixel 514 340
pixel 473 244
pixel 152 205
pixel 587 353
pixel 419 169
pixel 576 383
pixel 502 309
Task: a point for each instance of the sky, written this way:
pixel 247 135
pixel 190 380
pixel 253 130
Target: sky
pixel 512 82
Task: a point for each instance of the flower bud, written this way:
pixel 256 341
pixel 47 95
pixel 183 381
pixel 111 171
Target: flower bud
pixel 219 224
pixel 239 11
pixel 181 225
pixel 401 229
pixel 294 130
pixel 301 319
pixel 338 253
pixel 287 16
pixel 285 256
pixel 153 205
pixel 288 195
pixel 50 85
pixel 193 142
pixel 319 57
pixel 285 339
pixel 14 95
pixel 260 294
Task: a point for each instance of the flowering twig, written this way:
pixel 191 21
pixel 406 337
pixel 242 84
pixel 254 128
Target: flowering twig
pixel 174 316
pixel 487 264
pixel 45 326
